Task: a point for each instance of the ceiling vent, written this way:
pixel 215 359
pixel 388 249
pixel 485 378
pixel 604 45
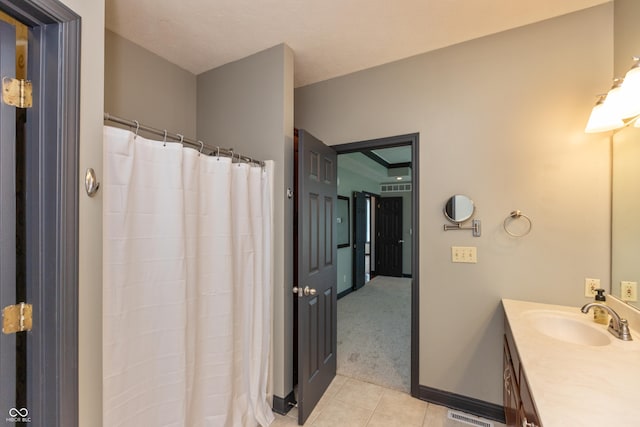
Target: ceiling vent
pixel 395 188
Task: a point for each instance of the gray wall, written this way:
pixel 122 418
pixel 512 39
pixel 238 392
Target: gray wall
pixel 139 85
pixel 501 119
pixel 248 105
pixel 626 37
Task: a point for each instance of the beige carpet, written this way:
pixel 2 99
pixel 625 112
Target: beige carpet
pixel 374 333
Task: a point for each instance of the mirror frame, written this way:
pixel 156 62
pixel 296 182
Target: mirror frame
pixel 450 201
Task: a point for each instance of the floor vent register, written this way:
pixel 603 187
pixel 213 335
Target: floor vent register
pixel 468 419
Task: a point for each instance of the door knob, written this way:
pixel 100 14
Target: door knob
pixel 309 291
pixel 400 241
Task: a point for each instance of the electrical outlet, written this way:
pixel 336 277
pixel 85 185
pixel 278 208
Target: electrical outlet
pixel 629 291
pixel 590 286
pixel 468 254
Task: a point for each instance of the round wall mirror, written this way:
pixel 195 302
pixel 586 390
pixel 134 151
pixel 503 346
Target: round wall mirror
pixel 459 208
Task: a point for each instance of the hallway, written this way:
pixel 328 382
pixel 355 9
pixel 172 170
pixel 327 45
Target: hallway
pixel 374 333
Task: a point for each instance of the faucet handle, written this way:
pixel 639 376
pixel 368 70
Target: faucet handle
pixel 624 332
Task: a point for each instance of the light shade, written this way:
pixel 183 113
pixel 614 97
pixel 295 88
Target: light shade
pixel 619 107
pixel 614 100
pixel 602 118
pixel 629 102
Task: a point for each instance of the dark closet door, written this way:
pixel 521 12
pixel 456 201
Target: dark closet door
pixel 389 242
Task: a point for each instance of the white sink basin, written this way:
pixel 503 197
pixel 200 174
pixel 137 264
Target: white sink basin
pixel 576 329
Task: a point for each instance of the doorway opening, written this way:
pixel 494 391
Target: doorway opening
pixel 377 273
pixel 364 239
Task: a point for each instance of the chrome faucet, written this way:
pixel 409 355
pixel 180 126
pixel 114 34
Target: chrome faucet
pixel 617 326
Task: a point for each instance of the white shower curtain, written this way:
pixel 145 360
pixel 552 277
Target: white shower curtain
pixel 187 286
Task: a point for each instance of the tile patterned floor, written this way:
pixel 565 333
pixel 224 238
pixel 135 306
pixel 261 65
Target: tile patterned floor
pixel 353 403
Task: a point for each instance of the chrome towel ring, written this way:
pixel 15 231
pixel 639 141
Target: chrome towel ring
pixel 514 216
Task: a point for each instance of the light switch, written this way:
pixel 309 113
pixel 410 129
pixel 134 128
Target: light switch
pixel 467 254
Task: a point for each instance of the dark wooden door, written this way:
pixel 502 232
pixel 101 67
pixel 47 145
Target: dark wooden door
pixel 359 238
pixel 316 193
pixel 389 242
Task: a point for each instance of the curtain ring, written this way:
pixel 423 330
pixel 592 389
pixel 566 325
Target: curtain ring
pixel 231 151
pixel 218 153
pixel 181 138
pixel 201 147
pixel 164 140
pixel 517 214
pixel 137 128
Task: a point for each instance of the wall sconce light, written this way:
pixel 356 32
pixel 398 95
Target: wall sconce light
pixel 620 106
pixel 630 100
pixel 602 119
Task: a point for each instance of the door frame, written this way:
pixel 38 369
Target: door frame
pixel 355 274
pixel 372 231
pixel 413 140
pixel 9 344
pixel 52 140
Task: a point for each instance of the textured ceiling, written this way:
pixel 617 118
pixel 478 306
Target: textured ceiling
pixel 329 37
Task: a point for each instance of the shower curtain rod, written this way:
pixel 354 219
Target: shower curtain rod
pixel 199 145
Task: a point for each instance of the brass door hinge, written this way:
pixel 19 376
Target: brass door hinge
pixel 18 93
pixel 17 318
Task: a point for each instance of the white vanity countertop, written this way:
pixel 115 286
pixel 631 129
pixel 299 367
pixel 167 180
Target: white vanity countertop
pixel 575 385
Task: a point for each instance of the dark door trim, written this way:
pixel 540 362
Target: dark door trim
pixel 359 240
pixel 373 231
pixel 52 141
pixel 10 375
pixel 413 140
